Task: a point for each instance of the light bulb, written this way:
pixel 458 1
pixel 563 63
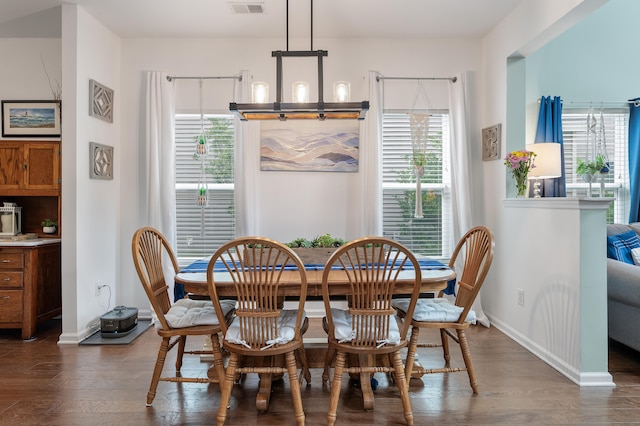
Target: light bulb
pixel 260 92
pixel 341 91
pixel 300 92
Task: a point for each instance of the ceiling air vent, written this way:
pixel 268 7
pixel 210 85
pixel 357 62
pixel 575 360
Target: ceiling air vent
pixel 247 7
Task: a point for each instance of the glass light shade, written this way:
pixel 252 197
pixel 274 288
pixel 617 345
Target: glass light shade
pixel 300 92
pixel 548 162
pixel 341 91
pixel 259 92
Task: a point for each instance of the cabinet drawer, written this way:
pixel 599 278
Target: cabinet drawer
pixel 10 279
pixel 10 306
pixel 11 260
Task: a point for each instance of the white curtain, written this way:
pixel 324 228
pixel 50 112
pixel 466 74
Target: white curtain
pixel 461 178
pixel 247 165
pixel 159 129
pixel 370 158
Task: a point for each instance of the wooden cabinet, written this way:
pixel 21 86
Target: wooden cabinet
pixel 30 176
pixel 30 285
pixel 30 168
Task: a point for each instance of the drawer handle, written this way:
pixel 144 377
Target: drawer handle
pixel 7 279
pixel 6 261
pixel 6 297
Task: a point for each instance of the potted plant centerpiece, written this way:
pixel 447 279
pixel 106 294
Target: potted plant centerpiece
pixel 49 226
pixel 317 250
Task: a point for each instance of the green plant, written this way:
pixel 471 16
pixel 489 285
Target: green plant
pixel 325 240
pixel 590 167
pixel 299 242
pixel 49 222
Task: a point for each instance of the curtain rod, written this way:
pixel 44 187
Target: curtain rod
pixel 238 77
pixel 595 104
pixel 452 79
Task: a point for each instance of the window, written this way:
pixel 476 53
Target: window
pixel 577 140
pixel 201 231
pixel 430 235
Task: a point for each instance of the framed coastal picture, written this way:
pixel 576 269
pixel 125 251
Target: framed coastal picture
pixel 309 145
pixel 31 118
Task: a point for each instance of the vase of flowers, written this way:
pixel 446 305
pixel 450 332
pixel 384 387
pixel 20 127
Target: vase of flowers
pixel 519 163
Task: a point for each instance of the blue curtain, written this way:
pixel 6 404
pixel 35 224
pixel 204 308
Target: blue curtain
pixel 550 130
pixel 634 159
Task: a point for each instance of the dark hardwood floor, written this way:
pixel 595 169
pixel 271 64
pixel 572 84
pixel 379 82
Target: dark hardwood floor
pixel 43 383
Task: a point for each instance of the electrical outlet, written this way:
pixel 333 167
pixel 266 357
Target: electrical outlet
pixel 98 287
pixel 520 297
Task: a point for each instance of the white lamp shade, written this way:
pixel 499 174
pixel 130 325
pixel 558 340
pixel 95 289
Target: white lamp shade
pixel 259 92
pixel 300 92
pixel 341 91
pixel 548 163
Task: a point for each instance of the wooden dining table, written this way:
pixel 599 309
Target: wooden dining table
pixel 434 279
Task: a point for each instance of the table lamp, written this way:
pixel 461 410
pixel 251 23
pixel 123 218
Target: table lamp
pixel 548 163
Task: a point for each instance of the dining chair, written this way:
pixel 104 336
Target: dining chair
pixel 186 317
pixel 368 329
pixel 261 328
pixel 476 249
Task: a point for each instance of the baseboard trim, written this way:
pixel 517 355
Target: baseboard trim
pixel 590 379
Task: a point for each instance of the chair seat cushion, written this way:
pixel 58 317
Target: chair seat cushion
pixel 437 309
pixel 286 329
pixel 343 329
pixel 190 313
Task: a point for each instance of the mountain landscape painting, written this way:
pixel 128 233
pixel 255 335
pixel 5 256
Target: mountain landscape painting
pixel 310 146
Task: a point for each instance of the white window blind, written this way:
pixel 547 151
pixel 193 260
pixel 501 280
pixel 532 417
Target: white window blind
pixel 201 231
pixel 578 144
pixel 430 235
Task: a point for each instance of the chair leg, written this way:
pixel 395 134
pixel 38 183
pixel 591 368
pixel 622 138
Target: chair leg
pixel 331 353
pixel 466 355
pixel 304 372
pixel 181 345
pixel 445 347
pixel 402 383
pixel 157 370
pixel 295 387
pixel 336 384
pixel 218 363
pixel 227 386
pixel 411 353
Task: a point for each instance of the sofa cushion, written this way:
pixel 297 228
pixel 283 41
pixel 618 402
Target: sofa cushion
pixel 635 255
pixel 619 246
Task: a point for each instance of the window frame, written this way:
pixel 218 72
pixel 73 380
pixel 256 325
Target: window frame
pixel 398 180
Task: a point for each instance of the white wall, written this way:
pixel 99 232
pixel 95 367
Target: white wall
pixel 22 75
pixel 90 208
pixel 562 273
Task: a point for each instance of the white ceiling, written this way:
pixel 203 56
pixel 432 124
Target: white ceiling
pixel 214 18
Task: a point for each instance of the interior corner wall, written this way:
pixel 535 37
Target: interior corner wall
pixel 90 207
pixel 597 31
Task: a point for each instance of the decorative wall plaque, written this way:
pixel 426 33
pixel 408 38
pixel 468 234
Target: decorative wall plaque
pixel 491 143
pixel 100 101
pixel 100 161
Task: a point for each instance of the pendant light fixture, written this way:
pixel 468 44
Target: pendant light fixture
pixel 299 107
